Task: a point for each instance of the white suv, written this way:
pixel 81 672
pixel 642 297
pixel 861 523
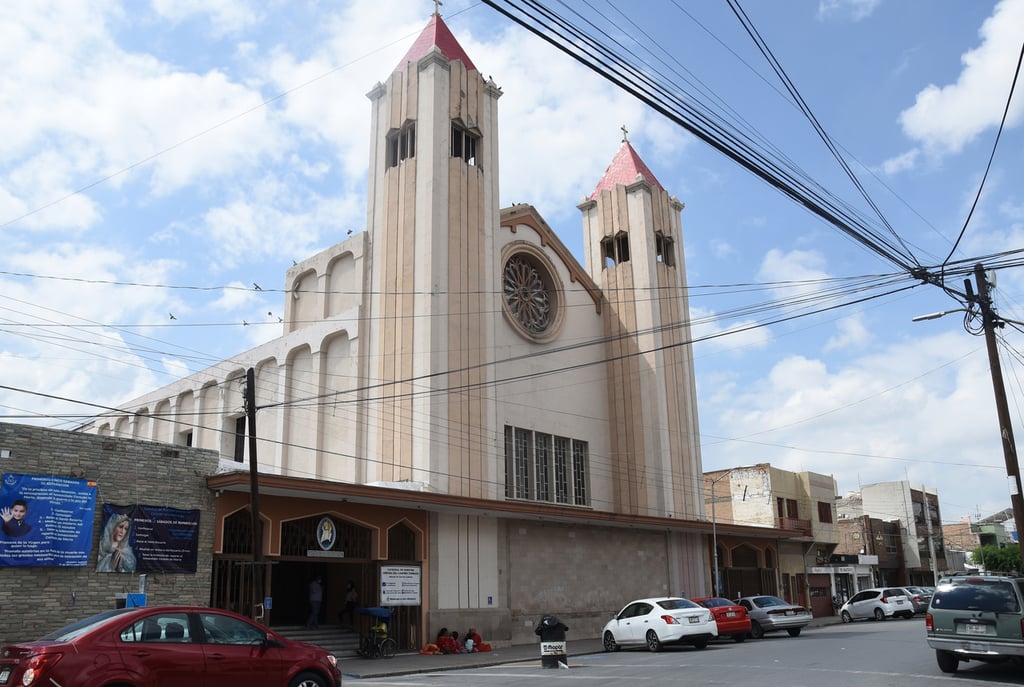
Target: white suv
pixel 877 604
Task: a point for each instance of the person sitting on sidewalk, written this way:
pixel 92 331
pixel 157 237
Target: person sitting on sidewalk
pixel 444 642
pixel 457 646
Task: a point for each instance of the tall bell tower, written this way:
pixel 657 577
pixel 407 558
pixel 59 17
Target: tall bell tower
pixel 432 211
pixel 633 247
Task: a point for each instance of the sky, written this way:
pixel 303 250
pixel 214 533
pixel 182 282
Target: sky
pixel 163 163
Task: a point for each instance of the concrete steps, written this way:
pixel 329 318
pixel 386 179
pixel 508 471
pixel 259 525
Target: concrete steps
pixel 340 641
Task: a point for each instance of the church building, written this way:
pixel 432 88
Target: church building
pixel 459 417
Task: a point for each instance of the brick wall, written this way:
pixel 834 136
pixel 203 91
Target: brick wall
pixel 37 600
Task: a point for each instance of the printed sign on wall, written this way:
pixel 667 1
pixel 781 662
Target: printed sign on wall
pixel 46 520
pixel 148 539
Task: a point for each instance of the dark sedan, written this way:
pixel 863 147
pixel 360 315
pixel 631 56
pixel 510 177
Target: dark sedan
pixel 167 646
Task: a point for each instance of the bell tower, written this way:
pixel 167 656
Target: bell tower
pixel 633 247
pixel 432 210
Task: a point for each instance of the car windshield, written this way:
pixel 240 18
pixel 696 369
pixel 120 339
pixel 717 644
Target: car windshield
pixel 766 601
pixel 676 604
pixel 76 629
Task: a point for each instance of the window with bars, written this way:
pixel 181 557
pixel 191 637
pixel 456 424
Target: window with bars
pixel 401 144
pixel 545 467
pixel 465 145
pixel 615 249
pixel 665 249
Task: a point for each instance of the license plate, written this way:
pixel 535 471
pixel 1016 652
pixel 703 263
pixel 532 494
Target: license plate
pixel 694 619
pixel 977 629
pixel 730 614
pixel 5 675
pixel 899 602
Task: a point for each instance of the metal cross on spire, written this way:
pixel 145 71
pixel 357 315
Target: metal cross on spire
pixel 437 8
pixel 625 134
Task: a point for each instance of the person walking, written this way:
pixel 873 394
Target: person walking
pixel 351 602
pixel 316 597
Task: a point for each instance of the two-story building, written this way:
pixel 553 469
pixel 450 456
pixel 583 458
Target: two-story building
pixel 793 566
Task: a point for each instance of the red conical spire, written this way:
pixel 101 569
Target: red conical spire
pixel 436 34
pixel 624 169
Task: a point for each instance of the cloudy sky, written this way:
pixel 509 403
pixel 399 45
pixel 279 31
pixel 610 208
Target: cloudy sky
pixel 161 159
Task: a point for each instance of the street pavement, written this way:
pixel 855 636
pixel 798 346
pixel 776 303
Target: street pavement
pixel 411 663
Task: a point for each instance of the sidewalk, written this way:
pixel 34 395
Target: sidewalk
pixel 409 663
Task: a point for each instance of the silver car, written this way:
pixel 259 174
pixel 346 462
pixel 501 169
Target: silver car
pixel 919 598
pixel 772 614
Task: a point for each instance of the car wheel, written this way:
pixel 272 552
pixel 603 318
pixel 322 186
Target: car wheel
pixel 701 644
pixel 947 661
pixel 794 631
pixel 609 642
pixel 307 680
pixel 879 614
pixel 756 631
pixel 847 618
pixel 653 643
pixel 739 638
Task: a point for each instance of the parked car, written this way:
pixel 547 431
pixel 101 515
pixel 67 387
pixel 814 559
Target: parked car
pixel 975 617
pixel 772 614
pixel 877 603
pixel 919 598
pixel 731 618
pixel 167 645
pixel 659 621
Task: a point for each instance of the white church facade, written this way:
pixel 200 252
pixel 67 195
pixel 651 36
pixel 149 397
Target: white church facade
pixel 457 398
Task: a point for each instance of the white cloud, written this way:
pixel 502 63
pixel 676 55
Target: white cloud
pixel 946 118
pixel 901 163
pixel 854 10
pixel 852 334
pixel 225 16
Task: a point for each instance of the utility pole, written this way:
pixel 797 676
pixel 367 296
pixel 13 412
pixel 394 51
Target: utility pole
pixel 990 322
pixel 254 492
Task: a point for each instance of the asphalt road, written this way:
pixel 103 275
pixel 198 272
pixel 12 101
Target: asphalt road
pixel 863 654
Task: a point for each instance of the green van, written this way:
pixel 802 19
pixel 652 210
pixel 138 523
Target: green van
pixel 976 617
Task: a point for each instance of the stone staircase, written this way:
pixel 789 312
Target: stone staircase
pixel 340 641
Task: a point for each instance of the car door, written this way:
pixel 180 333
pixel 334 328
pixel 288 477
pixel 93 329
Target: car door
pixel 640 621
pixel 160 647
pixel 237 654
pixel 863 604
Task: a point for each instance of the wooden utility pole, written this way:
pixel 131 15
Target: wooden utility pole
pixel 258 571
pixel 990 322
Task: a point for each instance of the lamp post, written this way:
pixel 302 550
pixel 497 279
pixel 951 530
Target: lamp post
pixel 714 530
pixel 989 323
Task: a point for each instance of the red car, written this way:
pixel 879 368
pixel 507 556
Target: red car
pixel 731 618
pixel 167 646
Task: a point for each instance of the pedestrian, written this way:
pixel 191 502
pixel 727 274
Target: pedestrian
pixel 351 603
pixel 316 597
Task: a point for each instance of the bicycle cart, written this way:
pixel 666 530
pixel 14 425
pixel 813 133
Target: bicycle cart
pixel 376 643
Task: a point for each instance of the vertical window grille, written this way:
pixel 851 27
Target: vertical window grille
pixel 561 470
pixel 400 144
pixel 239 453
pixel 664 246
pixel 615 249
pixel 542 466
pixel 579 472
pixel 464 145
pixel 522 464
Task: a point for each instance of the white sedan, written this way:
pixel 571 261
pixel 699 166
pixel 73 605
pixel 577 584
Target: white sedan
pixel 656 622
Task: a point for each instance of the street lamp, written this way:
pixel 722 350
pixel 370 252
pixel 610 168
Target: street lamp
pixel 714 529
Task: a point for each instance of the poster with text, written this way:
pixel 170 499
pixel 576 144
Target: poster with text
pixel 46 520
pixel 148 539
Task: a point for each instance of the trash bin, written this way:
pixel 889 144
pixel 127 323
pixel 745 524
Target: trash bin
pixel 552 642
